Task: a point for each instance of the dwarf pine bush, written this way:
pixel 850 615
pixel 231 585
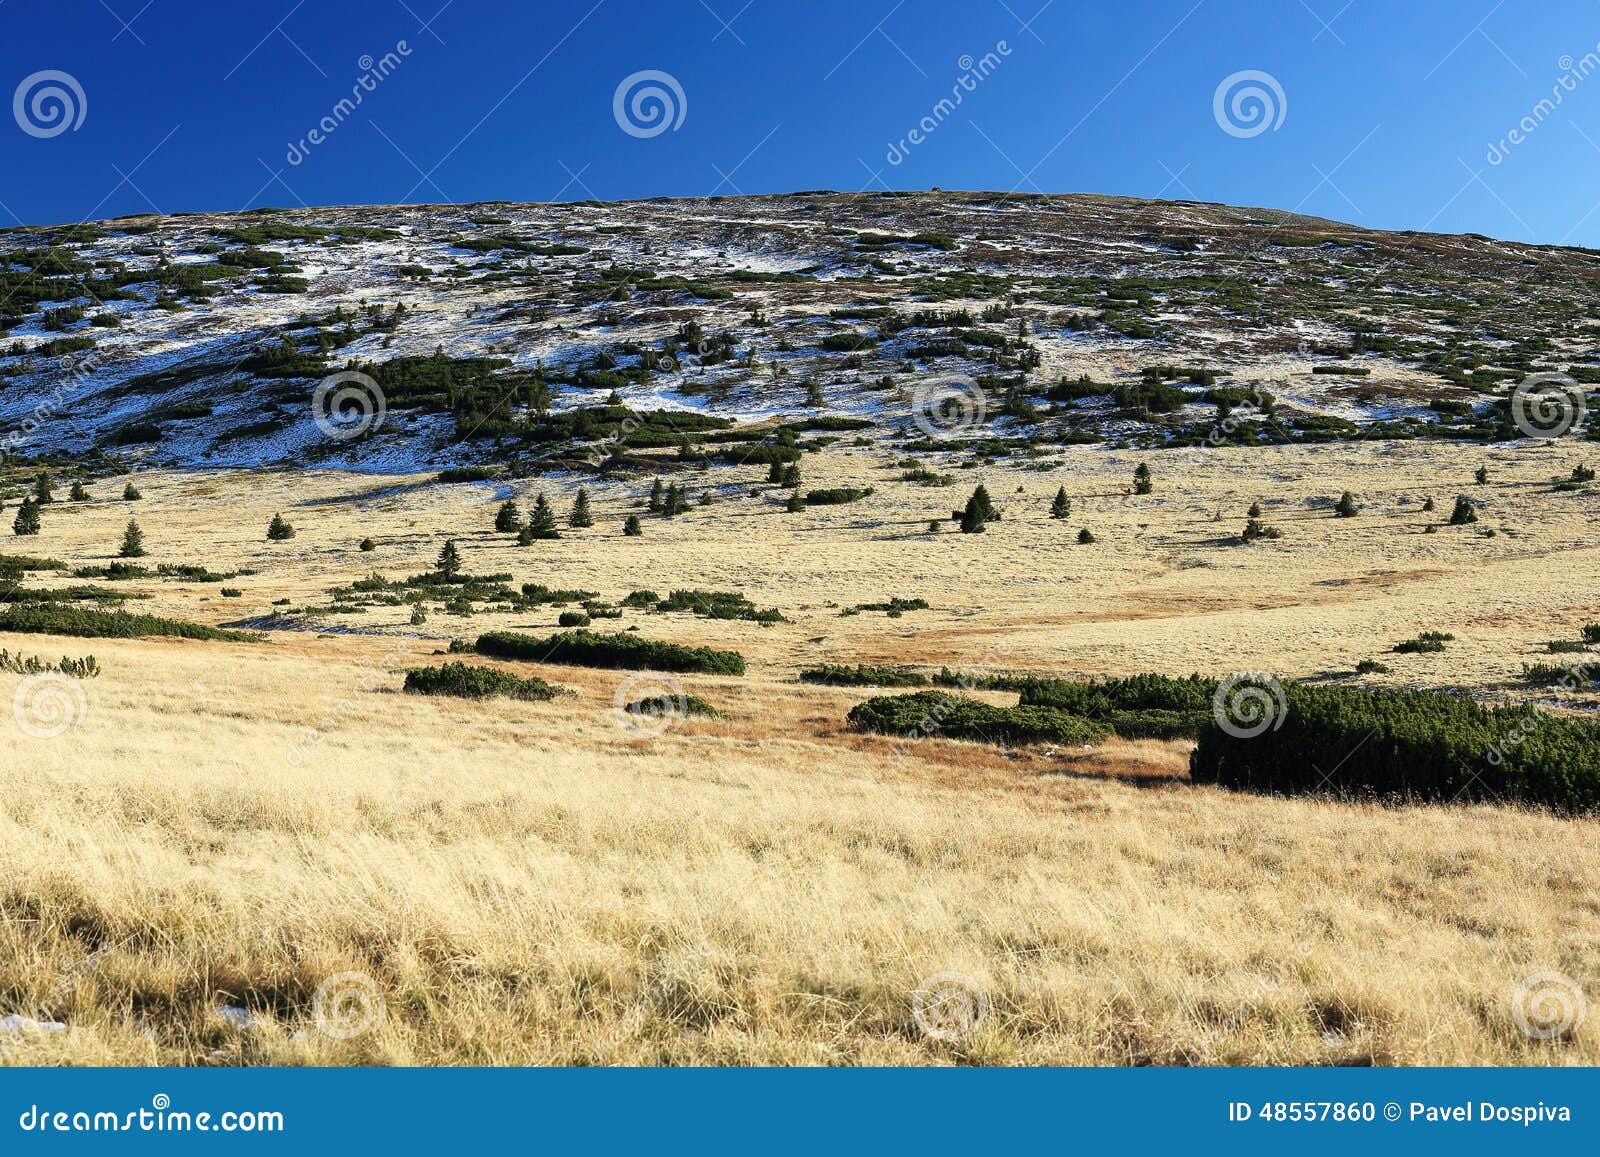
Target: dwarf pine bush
pixel 465 681
pixel 1408 745
pixel 621 651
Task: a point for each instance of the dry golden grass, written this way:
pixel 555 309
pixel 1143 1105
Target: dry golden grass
pixel 233 824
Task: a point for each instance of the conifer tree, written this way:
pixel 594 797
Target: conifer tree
pixel 508 519
pixel 279 530
pixel 580 516
pixel 795 504
pixel 132 541
pixel 542 522
pixel 130 493
pixel 1463 513
pixel 1346 506
pixel 656 490
pixel 449 564
pixel 1061 507
pixel 632 527
pixel 43 489
pixel 979 512
pixel 27 520
pixel 79 494
pixel 1142 483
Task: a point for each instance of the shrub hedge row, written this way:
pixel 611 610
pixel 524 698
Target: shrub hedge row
pixel 60 619
pixel 1409 744
pixel 470 682
pixel 863 675
pixel 955 717
pixel 619 651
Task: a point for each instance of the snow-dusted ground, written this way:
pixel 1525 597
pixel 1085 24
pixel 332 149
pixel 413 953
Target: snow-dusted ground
pixel 548 311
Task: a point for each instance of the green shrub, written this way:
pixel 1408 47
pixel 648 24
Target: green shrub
pixel 572 619
pixel 1371 667
pixel 84 668
pixel 1427 643
pixel 1565 646
pixel 714 605
pixel 1408 744
pixel 468 474
pixel 1138 707
pixel 954 717
pixel 56 619
pixel 620 651
pixel 836 496
pixel 862 675
pixel 472 682
pixel 666 706
pixel 1553 675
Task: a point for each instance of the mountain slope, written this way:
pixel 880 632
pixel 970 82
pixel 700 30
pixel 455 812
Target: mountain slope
pixel 536 334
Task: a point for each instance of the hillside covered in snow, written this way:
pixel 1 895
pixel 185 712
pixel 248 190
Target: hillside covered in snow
pixel 555 336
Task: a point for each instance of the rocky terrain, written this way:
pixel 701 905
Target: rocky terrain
pixel 539 337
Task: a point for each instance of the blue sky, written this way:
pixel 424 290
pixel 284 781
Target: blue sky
pixel 1425 114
